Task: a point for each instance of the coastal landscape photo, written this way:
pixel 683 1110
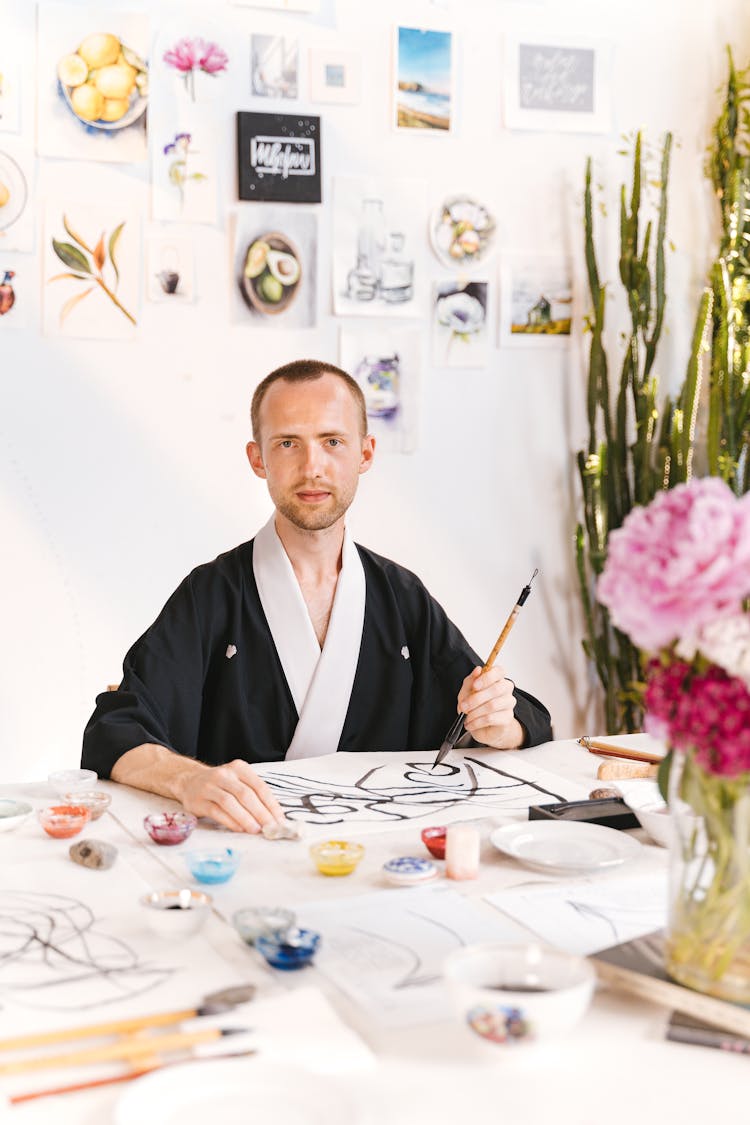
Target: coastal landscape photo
pixel 423 79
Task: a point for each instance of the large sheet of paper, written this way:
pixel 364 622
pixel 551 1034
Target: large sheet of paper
pixel 386 950
pixel 586 916
pixel 375 792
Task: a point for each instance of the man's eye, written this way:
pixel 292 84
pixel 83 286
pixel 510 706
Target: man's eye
pixel 334 441
pixel 286 443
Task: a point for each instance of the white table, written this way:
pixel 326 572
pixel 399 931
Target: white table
pixel 616 1067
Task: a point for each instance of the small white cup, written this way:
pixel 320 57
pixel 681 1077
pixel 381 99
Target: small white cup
pixel 509 994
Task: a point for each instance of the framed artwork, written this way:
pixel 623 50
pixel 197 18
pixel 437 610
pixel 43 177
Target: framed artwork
pixel 378 239
pixel 92 96
pixel 10 93
pixel 16 186
pixel 275 267
pixel 556 83
pixel 536 300
pixel 335 76
pixel 184 172
pixel 460 324
pixel 92 262
pixel 278 157
pixel 191 62
pixel 423 92
pixel 385 360
pixel 169 269
pixel 274 66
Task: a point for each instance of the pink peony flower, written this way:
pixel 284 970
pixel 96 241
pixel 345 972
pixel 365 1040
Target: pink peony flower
pixel 678 563
pixel 185 55
pixel 212 59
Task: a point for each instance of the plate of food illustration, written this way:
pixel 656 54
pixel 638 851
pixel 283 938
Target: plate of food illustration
pixel 462 231
pixel 271 273
pixel 104 82
pixel 14 192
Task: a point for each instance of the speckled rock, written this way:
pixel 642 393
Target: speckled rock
pixel 93 853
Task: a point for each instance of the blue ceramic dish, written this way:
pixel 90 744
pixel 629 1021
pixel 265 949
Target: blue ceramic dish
pixel 292 949
pixel 212 865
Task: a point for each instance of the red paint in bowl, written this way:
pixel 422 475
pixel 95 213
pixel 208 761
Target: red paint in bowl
pixel 434 840
pixel 62 821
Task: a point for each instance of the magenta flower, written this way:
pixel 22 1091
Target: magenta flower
pixel 189 55
pixel 678 564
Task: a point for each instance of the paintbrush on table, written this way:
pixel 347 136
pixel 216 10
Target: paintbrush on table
pixel 457 729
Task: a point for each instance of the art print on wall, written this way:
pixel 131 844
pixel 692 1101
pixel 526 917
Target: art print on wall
pixel 184 173
pixel 460 324
pixel 7 292
pixel 424 79
pixel 275 267
pixel 16 180
pixel 536 300
pixel 169 269
pixel 385 360
pixel 377 250
pixel 556 83
pixel 462 232
pixel 92 84
pixel 10 93
pixel 274 66
pixel 278 157
pixel 91 270
pixel 197 62
pixel 335 75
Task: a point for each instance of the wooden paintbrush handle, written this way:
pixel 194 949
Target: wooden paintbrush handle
pixel 93 1030
pixel 121 1049
pixel 503 637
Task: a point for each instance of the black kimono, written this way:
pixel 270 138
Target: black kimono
pixel 205 679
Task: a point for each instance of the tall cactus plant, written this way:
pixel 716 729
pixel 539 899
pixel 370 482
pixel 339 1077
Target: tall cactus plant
pixel 637 444
pixel 728 167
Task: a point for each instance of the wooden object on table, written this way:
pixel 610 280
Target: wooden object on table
pixel 619 770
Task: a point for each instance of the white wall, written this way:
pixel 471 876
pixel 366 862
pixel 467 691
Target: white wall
pixel 122 464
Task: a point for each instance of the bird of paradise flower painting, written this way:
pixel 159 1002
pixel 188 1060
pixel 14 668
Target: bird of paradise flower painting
pixel 95 294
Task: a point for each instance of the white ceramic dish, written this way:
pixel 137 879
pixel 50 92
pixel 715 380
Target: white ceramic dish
pixel 505 995
pixel 235 1092
pixel 565 848
pixel 658 822
pixel 13 813
pixel 176 914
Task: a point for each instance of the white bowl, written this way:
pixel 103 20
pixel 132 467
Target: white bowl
pixel 657 821
pixel 176 914
pixel 508 994
pixel 72 781
pixel 13 813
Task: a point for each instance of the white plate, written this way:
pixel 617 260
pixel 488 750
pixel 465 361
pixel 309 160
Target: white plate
pixel 235 1092
pixel 13 813
pixel 565 848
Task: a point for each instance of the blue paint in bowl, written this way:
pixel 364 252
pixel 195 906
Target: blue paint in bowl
pixel 216 865
pixel 290 949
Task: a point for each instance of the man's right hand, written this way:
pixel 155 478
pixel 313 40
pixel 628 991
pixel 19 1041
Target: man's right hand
pixel 233 794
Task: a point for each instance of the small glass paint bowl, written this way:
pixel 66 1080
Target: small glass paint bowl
pixel 289 949
pixel 169 827
pixel 434 840
pixel 254 921
pixel 336 857
pixel 63 821
pixel 212 865
pixel 408 870
pixel 13 813
pixel 95 800
pixel 65 782
pixel 176 914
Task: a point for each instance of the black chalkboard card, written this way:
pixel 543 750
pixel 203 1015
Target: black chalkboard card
pixel 278 157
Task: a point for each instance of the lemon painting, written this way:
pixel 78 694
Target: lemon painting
pixel 93 84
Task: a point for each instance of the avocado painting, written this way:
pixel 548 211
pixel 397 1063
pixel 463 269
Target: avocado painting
pixel 275 253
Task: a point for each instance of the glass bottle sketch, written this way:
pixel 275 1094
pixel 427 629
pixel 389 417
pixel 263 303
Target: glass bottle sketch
pixel 363 281
pixel 397 274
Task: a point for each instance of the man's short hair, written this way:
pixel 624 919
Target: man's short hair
pixel 306 371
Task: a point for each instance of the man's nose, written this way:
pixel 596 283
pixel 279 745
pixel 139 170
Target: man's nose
pixel 313 456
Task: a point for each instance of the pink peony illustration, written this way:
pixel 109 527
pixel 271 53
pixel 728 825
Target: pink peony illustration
pixel 189 55
pixel 213 60
pixel 678 564
pixel 184 55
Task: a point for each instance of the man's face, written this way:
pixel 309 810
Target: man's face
pixel 310 451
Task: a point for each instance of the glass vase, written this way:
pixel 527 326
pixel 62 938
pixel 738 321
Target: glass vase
pixel 708 937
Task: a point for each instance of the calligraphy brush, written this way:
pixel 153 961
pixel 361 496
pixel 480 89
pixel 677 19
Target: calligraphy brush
pixel 457 729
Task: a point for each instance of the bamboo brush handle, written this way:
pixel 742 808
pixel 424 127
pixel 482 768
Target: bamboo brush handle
pixel 134 1048
pixel 91 1031
pixel 503 637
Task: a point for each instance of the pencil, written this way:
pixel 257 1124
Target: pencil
pixel 609 750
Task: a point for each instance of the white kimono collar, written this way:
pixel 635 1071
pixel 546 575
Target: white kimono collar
pixel 320 681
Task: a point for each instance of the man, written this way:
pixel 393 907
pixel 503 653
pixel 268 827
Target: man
pixel 297 643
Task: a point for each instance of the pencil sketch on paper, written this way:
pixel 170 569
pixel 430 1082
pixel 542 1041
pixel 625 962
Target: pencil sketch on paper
pixel 399 792
pixel 53 951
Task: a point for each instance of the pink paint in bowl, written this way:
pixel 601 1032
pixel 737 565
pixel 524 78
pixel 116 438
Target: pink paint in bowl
pixel 434 840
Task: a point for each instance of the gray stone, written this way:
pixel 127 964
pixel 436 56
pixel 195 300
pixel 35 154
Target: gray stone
pixel 93 853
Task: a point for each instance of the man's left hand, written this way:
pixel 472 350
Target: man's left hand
pixel 487 701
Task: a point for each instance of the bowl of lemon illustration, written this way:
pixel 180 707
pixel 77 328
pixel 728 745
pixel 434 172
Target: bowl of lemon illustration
pixel 104 82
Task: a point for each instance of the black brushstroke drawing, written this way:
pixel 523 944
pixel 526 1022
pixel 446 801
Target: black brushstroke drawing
pixel 420 794
pixel 55 956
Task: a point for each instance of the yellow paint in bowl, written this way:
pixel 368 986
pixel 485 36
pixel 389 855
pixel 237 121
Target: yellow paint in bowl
pixel 336 857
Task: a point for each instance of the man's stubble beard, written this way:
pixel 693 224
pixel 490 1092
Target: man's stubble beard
pixel 314 519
